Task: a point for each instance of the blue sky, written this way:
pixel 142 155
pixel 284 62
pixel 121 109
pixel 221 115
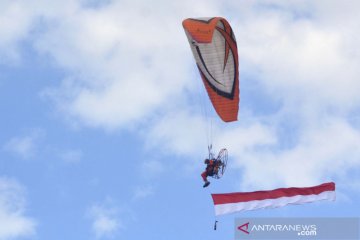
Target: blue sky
pixel 102 130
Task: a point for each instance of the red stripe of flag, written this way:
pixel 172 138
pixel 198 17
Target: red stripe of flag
pixel 272 194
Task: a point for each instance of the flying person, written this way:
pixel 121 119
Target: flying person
pixel 212 168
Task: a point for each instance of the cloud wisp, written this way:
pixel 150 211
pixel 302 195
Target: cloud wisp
pixel 13 221
pixel 105 220
pixel 25 146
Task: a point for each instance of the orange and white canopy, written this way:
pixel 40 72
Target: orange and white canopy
pixel 213 45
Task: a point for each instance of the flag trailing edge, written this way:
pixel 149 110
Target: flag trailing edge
pixel 242 201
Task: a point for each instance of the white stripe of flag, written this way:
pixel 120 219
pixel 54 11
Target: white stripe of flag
pixel 243 201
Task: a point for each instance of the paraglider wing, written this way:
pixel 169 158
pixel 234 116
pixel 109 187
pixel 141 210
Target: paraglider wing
pixel 242 201
pixel 213 44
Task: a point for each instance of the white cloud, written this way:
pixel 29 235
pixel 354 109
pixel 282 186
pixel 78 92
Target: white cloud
pixel 127 59
pixel 13 221
pixel 323 153
pixel 297 57
pixel 11 32
pixel 25 146
pixel 178 132
pixel 105 220
pixel 142 192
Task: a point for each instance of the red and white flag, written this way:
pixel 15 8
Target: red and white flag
pixel 242 201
